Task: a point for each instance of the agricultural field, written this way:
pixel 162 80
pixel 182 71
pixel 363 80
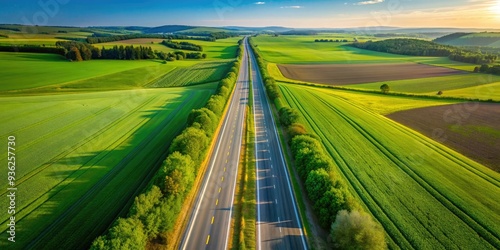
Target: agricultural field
pixel 77 149
pixel 303 50
pixel 425 195
pixel 299 59
pixel 347 74
pixel 91 134
pixel 471 129
pixel 197 74
pixel 50 69
pixel 432 85
pixel 220 49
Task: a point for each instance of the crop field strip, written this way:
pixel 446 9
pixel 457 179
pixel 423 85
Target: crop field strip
pixel 472 129
pixel 196 74
pixel 403 235
pixel 347 74
pixel 111 174
pixel 82 170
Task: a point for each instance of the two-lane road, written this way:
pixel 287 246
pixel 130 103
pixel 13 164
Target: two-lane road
pixel 209 224
pixel 278 222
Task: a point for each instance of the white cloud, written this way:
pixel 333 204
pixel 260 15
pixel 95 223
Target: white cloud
pixel 260 3
pixel 369 2
pixel 292 7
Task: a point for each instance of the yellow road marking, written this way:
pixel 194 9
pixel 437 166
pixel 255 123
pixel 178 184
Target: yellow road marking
pixel 208 238
pixel 224 169
pixel 217 202
pixel 220 189
pixel 212 220
pixel 222 179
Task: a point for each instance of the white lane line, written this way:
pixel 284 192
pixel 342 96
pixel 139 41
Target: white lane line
pixel 284 167
pixel 244 64
pixel 256 127
pixel 276 200
pixel 219 142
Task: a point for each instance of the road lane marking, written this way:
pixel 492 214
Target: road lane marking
pixel 224 169
pixel 220 189
pixel 208 239
pixel 274 186
pixel 227 153
pixel 217 202
pixel 222 179
pixel 213 219
pixel 276 200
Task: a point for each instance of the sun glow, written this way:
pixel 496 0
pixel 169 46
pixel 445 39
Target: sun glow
pixel 496 7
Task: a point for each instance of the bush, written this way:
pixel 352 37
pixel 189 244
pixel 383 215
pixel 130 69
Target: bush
pixel 296 129
pixel 288 116
pixel 125 234
pixel 356 230
pixel 192 142
pixel 206 119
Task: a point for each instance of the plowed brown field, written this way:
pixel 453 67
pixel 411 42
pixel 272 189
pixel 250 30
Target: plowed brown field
pixel 345 74
pixel 470 128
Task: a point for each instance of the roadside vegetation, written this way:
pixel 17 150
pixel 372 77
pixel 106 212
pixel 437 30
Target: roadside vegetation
pixel 146 220
pixel 338 137
pixel 325 188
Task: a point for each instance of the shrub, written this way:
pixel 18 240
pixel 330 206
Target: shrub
pixel 356 230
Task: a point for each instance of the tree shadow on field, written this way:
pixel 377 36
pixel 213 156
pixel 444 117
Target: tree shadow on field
pixel 104 185
pixel 226 53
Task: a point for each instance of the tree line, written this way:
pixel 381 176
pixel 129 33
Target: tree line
pixel 77 51
pixel 155 211
pixel 33 49
pixel 182 45
pixel 114 38
pixel 415 47
pixel 332 202
pixel 331 40
pixel 485 68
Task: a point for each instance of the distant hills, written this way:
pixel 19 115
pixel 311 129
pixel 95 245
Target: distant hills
pixel 483 39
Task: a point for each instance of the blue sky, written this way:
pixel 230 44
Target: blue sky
pixel 291 13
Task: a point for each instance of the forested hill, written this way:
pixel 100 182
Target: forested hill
pixel 487 39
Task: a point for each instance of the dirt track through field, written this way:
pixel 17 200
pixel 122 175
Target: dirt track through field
pixel 470 128
pixel 346 74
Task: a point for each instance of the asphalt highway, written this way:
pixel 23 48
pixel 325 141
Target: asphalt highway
pixel 209 225
pixel 278 222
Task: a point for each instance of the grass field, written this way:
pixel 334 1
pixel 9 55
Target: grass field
pixel 384 104
pixel 433 84
pixel 196 74
pixel 425 195
pixel 84 156
pixel 303 50
pixel 21 69
pixel 220 49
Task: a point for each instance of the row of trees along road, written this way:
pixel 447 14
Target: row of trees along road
pixel 153 214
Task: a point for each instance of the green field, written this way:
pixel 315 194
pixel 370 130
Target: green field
pixel 383 104
pixel 90 135
pixel 425 195
pixel 82 157
pixel 197 74
pixel 303 50
pixel 21 69
pixel 433 84
pixel 483 92
pixel 220 49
